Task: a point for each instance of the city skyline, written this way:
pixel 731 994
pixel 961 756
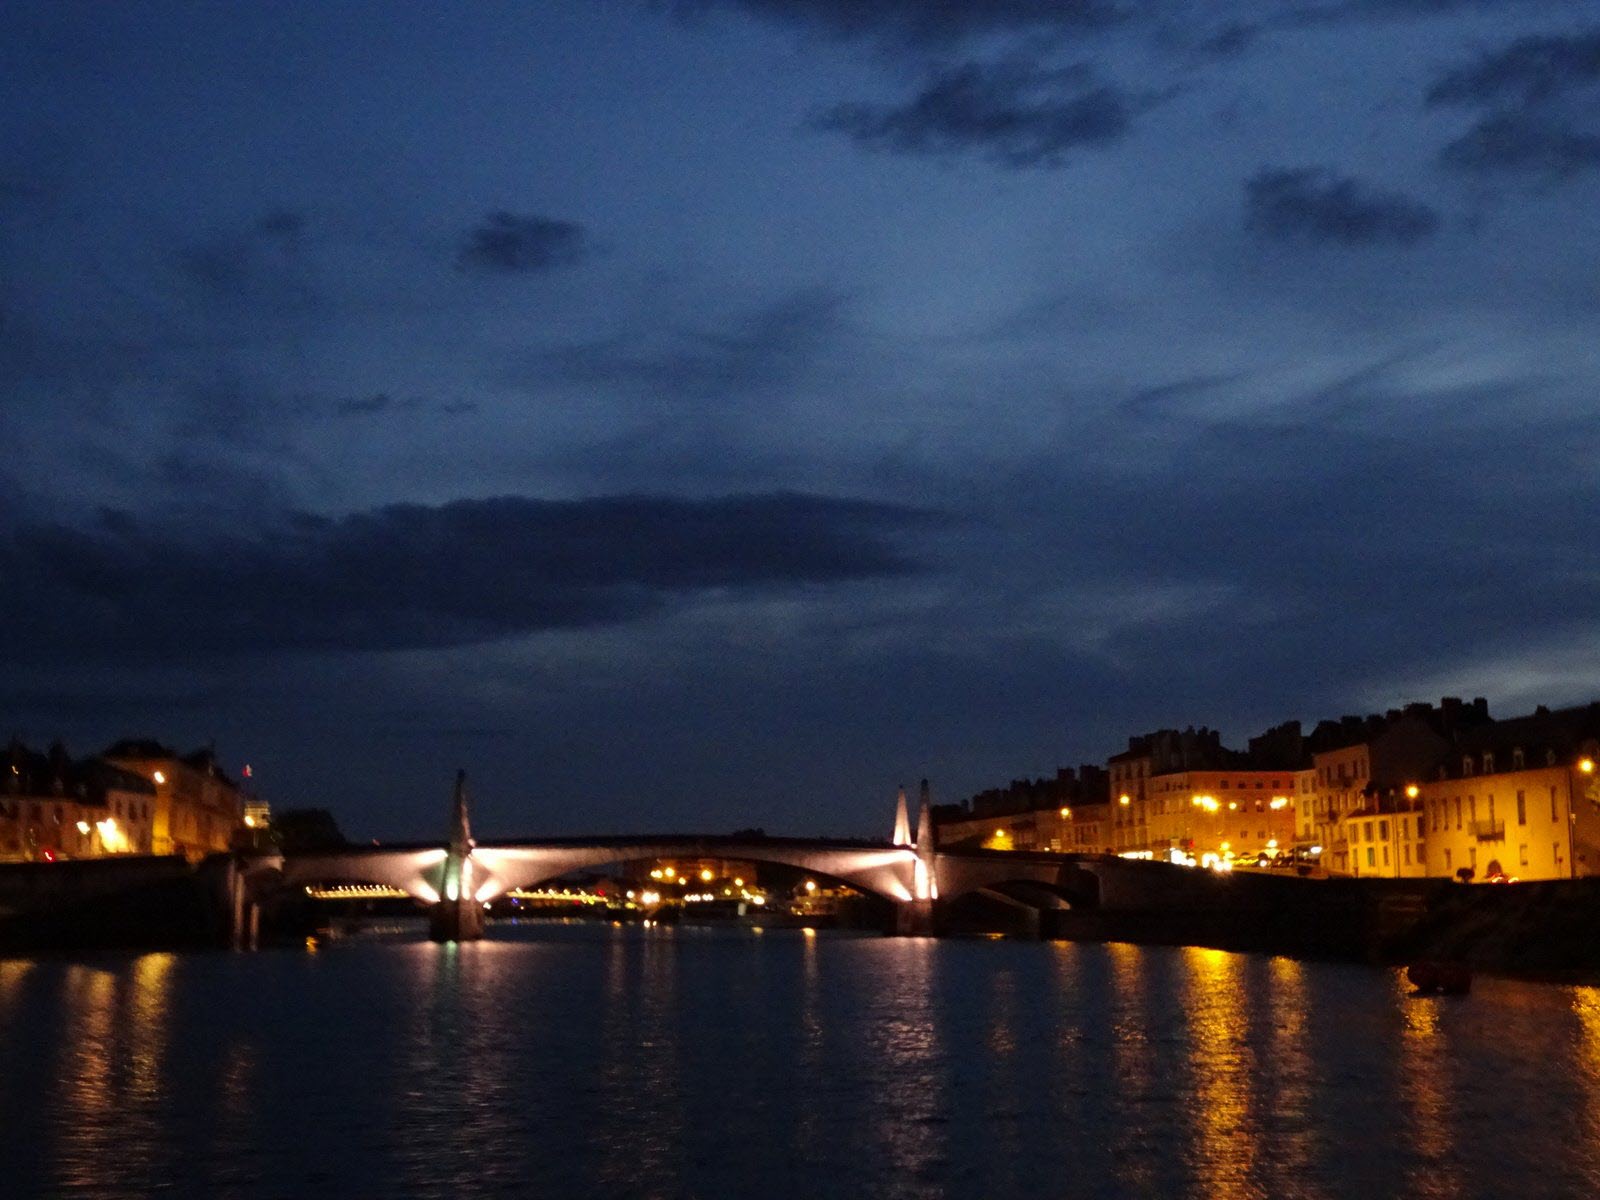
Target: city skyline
pixel 698 414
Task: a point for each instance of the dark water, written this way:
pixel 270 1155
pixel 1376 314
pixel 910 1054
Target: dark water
pixel 589 1060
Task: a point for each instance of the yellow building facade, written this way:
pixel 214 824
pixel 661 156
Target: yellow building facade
pixel 198 808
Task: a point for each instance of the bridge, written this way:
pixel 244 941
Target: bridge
pixel 459 878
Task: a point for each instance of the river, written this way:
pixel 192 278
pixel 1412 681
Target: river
pixel 584 1060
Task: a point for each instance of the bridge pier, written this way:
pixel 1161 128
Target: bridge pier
pixel 915 918
pixel 458 916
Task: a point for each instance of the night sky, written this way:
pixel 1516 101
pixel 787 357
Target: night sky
pixel 711 414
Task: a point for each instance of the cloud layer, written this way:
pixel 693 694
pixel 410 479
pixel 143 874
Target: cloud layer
pixel 410 575
pixel 506 243
pixel 1317 204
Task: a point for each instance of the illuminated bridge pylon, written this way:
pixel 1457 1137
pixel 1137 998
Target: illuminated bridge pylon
pixel 916 916
pixel 458 914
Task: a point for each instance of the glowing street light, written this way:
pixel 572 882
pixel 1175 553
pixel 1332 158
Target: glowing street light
pixel 1586 765
pixel 1124 800
pixel 1412 791
pixel 159 776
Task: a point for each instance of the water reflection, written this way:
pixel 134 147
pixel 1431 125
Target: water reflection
pixel 597 1060
pixel 1136 1098
pixel 1292 1114
pixel 906 1100
pixel 1426 1092
pixel 1224 1129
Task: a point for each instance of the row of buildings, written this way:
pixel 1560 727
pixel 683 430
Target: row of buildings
pixel 137 797
pixel 1422 790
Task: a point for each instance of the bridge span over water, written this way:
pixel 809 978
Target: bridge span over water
pixel 459 877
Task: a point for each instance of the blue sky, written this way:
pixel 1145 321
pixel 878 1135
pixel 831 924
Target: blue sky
pixel 712 414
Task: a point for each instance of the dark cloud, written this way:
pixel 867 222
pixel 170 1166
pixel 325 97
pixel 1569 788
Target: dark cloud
pixel 1515 144
pixel 1529 70
pixel 257 264
pixel 1317 204
pixel 505 243
pixel 410 575
pixel 1015 113
pixel 1538 98
pixel 383 404
pixel 927 20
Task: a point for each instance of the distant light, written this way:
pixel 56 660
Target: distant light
pixel 1315 850
pixel 247 770
pixel 249 822
pixel 1412 791
pixel 738 883
pixel 1280 802
pixel 1123 799
pixel 1066 812
pixel 1586 765
pixel 1272 844
pixel 670 872
pixel 705 874
pixel 811 885
pixel 159 777
pixel 83 827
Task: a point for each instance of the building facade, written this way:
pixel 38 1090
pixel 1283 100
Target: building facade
pixel 54 807
pixel 198 807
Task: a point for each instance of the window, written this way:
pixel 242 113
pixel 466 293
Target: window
pixel 1549 758
pixel 1367 832
pixel 1555 853
pixel 1383 831
pixel 1522 811
pixel 1447 860
pixel 1466 765
pixel 1372 857
pixel 1420 830
pixel 1472 857
pixel 1458 812
pixel 1386 856
pixel 1488 762
pixel 1553 814
pixel 1491 808
pixel 1408 854
pixel 1522 853
pixel 1517 759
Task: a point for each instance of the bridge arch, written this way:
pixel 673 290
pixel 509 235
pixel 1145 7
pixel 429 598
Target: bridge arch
pixel 880 871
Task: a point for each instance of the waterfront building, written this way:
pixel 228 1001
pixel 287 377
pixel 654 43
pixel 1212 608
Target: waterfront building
pixel 54 807
pixel 1358 762
pixel 1066 811
pixel 1519 798
pixel 1129 777
pixel 198 807
pixel 1222 814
